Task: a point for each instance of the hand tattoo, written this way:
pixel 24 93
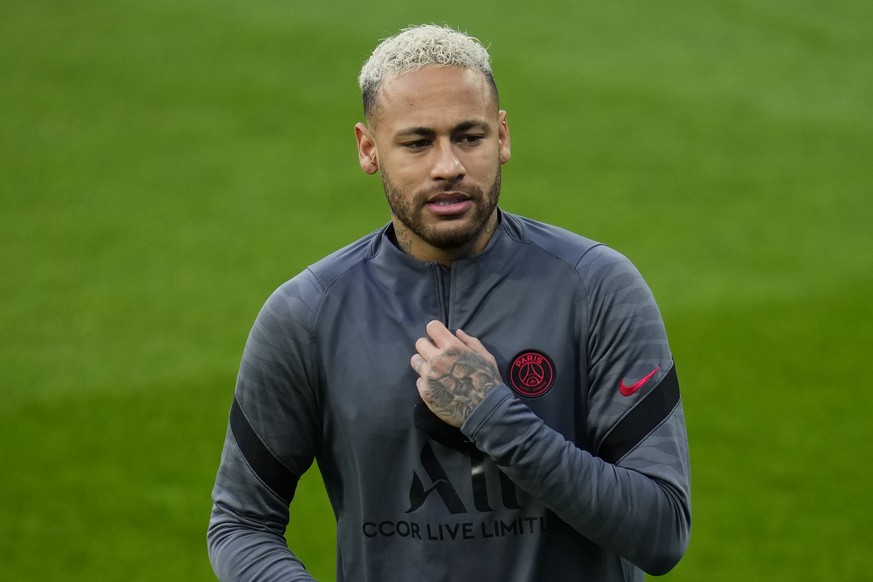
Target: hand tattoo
pixel 459 380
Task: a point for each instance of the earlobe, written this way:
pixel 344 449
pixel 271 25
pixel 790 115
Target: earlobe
pixel 503 138
pixel 366 149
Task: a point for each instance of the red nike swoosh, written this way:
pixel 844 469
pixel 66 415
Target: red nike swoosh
pixel 630 390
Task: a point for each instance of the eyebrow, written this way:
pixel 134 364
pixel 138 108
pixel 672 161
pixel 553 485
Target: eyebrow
pixel 427 131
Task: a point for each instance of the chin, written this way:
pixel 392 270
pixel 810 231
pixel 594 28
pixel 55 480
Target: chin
pixel 451 239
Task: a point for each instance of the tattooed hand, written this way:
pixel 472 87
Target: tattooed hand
pixel 456 372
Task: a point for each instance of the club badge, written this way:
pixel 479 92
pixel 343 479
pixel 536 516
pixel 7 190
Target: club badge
pixel 531 373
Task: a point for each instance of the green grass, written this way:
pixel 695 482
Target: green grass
pixel 165 165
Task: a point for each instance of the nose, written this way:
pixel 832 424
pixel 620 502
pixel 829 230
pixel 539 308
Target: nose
pixel 446 163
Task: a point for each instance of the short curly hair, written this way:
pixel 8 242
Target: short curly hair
pixel 419 46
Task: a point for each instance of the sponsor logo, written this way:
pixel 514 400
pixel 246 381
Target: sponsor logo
pixel 443 511
pixel 442 486
pixel 460 531
pixel 631 390
pixel 531 373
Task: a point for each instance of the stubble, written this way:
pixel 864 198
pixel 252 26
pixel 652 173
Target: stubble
pixel 409 211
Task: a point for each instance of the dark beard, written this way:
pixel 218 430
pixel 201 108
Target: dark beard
pixel 409 212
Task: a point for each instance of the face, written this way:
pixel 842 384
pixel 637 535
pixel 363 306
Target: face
pixel 438 140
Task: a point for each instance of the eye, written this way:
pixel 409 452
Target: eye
pixel 471 138
pixel 417 144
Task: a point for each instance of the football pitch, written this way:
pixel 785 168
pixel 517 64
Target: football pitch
pixel 164 165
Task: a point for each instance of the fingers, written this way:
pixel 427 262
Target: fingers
pixel 442 337
pixel 430 349
pixel 439 338
pixel 439 333
pixel 417 363
pixel 421 386
pixel 477 346
pixel 470 341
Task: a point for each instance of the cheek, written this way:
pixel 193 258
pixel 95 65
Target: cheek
pixel 484 171
pixel 406 176
pixel 485 160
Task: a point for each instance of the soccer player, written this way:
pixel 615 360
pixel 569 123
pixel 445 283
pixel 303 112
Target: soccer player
pixel 487 397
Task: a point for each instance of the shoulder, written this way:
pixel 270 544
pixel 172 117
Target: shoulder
pixel 337 264
pixel 301 295
pixel 583 254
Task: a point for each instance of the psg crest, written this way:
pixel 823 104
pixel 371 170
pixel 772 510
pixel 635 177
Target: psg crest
pixel 531 373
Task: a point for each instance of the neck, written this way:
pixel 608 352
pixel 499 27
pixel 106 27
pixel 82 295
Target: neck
pixel 415 247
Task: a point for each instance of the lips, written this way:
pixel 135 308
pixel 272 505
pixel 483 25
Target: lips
pixel 448 203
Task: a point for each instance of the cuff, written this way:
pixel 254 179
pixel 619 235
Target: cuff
pixel 496 400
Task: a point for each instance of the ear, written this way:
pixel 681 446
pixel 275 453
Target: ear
pixel 503 137
pixel 366 149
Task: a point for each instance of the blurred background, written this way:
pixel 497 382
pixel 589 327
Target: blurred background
pixel 164 165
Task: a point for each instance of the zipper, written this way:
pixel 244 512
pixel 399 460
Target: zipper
pixel 442 277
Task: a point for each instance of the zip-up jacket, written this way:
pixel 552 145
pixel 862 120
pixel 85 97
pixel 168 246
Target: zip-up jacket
pixel 574 468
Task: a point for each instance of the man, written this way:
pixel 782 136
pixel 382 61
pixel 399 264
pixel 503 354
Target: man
pixel 487 397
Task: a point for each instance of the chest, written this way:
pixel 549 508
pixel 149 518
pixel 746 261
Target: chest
pixel 367 334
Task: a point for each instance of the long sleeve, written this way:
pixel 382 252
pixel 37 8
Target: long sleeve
pixel 631 492
pixel 246 530
pixel 642 517
pixel 271 440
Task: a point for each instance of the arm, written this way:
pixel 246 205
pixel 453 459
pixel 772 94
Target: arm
pixel 632 495
pixel 643 517
pixel 271 440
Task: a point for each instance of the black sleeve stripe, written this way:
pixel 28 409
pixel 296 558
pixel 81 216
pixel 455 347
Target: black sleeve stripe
pixel 267 467
pixel 640 421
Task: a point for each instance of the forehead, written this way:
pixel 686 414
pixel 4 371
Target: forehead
pixel 433 96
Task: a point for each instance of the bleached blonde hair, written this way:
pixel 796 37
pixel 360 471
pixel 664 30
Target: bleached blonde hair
pixel 419 46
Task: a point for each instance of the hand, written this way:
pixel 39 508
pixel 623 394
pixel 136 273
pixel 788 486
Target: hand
pixel 456 372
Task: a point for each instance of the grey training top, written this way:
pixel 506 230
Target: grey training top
pixel 576 468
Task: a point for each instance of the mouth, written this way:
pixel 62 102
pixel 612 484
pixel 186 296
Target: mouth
pixel 448 203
